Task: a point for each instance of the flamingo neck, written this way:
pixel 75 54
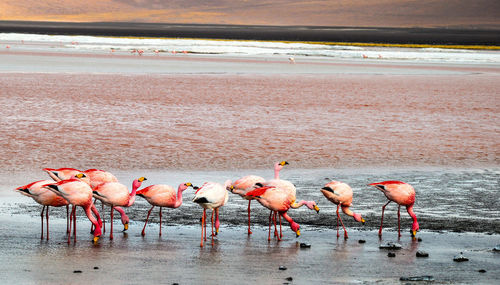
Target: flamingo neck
pixel 97 231
pixel 276 172
pixel 296 205
pixel 131 198
pixel 293 225
pixel 178 200
pixel 414 226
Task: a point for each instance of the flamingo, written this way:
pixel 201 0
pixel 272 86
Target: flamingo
pixel 162 196
pixel 77 193
pixel 211 195
pixel 403 194
pixel 248 183
pixel 278 200
pixel 45 198
pixel 116 194
pixel 340 194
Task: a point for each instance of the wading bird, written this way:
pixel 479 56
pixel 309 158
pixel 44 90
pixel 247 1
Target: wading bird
pixel 162 196
pixel 403 194
pixel 340 194
pixel 116 194
pixel 46 198
pixel 211 195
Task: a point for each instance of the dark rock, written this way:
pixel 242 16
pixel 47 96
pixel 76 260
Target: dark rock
pixel 95 267
pixel 175 283
pixel 417 278
pixel 361 241
pixel 460 258
pixel 497 248
pixel 77 271
pixel 481 271
pixel 419 239
pixel 390 245
pixel 289 279
pixel 391 254
pixel 305 245
pixel 422 254
pixel 282 267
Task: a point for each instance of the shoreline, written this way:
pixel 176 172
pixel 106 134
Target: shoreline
pixel 372 36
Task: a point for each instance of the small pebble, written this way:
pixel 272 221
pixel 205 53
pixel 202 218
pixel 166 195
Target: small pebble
pixel 305 245
pixel 77 271
pixel 175 283
pixel 419 239
pixel 391 254
pixel 481 271
pixel 390 245
pixel 289 279
pixel 422 254
pixel 361 241
pixel 282 267
pixel 460 258
pixel 417 278
pixel 95 267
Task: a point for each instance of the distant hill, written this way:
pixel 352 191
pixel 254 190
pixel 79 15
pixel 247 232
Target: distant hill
pixel 361 13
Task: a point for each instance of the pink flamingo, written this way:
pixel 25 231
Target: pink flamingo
pixel 77 193
pixel 340 194
pixel 403 194
pixel 46 198
pixel 116 194
pixel 211 196
pixel 162 196
pixel 278 200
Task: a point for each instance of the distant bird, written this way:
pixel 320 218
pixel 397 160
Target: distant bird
pixel 365 56
pixel 77 193
pixel 340 194
pixel 211 195
pixel 403 194
pixel 116 194
pixel 162 196
pixel 46 198
pixel 284 185
pixel 140 51
pixel 292 60
pixel 278 200
pixel 157 52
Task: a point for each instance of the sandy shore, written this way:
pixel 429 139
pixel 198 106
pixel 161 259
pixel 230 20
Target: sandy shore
pixel 177 258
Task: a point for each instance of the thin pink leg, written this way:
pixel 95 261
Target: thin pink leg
pixel 249 231
pixel 269 236
pixel 68 230
pixel 111 221
pixel 47 215
pixel 70 220
pixel 41 217
pixel 217 222
pixel 345 232
pixel 202 227
pixel 399 221
pixel 205 222
pixel 382 219
pixel 281 233
pixel 74 224
pixel 160 221
pixel 338 216
pixel 143 233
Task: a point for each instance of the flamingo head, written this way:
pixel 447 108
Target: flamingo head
pixel 296 228
pixel 137 183
pixel 82 177
pixel 227 184
pixel 125 221
pixel 358 218
pixel 414 228
pixel 185 186
pixel 279 165
pixel 312 205
pixel 97 234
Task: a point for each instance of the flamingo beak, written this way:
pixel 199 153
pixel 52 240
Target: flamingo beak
pixel 363 221
pixel 125 227
pixel 196 187
pixel 298 233
pixel 216 231
pixel 96 239
pixel 413 233
pixel 316 208
pixel 142 179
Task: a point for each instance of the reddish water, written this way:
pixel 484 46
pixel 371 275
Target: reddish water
pixel 247 121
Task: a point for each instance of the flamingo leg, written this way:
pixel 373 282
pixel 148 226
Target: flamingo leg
pixel 70 220
pixel 143 233
pixel 41 216
pixel 249 231
pixel 338 216
pixel 74 224
pixel 269 236
pixel 275 226
pixel 160 221
pixel 47 215
pixel 205 222
pixel 399 221
pixel 202 222
pixel 67 220
pixel 212 222
pixel 281 233
pixel 103 221
pixel 382 219
pixel 111 233
pixel 345 232
pixel 217 222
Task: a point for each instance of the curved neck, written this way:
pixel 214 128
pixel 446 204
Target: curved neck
pixel 347 211
pixel 296 205
pixel 409 209
pixel 178 200
pixel 131 198
pixel 287 217
pixel 276 173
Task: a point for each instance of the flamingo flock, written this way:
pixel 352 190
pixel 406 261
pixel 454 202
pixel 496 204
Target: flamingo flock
pixel 73 187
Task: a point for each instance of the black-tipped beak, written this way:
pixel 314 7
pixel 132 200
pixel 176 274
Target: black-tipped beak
pixel 196 187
